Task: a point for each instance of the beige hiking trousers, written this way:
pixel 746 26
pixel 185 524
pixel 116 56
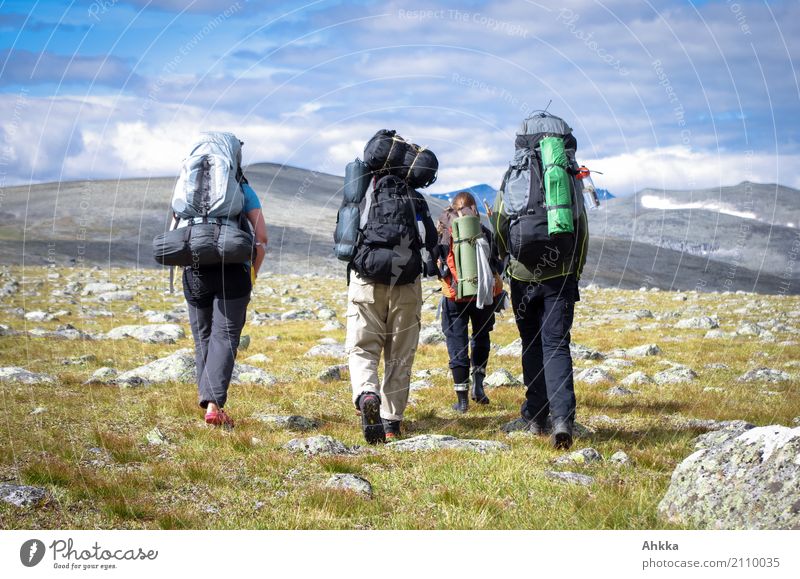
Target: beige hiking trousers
pixel 383 319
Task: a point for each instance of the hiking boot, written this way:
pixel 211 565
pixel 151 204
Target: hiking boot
pixel 562 434
pixel 462 405
pixel 522 424
pixel 370 407
pixel 219 418
pixel 478 395
pixel 392 429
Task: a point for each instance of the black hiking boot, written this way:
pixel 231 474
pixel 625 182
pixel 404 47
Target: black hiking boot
pixel 370 406
pixel 478 395
pixel 462 405
pixel 392 429
pixel 562 434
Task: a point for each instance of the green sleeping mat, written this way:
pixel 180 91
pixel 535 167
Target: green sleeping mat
pixel 466 230
pixel 557 194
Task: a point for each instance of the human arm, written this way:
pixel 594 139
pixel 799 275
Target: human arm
pixel 256 219
pixel 499 222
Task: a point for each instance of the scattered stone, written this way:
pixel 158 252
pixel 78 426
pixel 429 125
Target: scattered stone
pixel 297 315
pixel 287 422
pixel 701 323
pixel 637 378
pixel 512 350
pixel 258 359
pixel 643 350
pixel 157 317
pixel 99 288
pixel 333 326
pixel 39 316
pixel 675 375
pixel 583 456
pixel 177 367
pixel 594 375
pixel 318 445
pixel 425 442
pixel 746 482
pixel 731 429
pixel 38 410
pixel 23 376
pixel 326 314
pixel 431 335
pixel 620 458
pixel 615 364
pixel 619 391
pixel 118 296
pixel 764 375
pixel 750 329
pixel 579 352
pixel 350 482
pixel 569 477
pixel 500 378
pixel 104 375
pixel 333 373
pixel 22 495
pixel 156 438
pixel 245 374
pixel 328 350
pixel 151 334
pixel 79 360
pixel 244 343
pixel 420 385
pixel 717 366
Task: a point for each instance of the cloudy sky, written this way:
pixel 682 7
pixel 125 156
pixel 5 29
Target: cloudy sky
pixel 660 93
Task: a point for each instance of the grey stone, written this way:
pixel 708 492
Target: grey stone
pixel 22 495
pixel 287 422
pixel 500 378
pixel 431 335
pixel 104 375
pixel 23 376
pixel 333 373
pixel 637 378
pixel 675 375
pixel 79 360
pixel 118 296
pixel 620 458
pixel 643 350
pixel 512 350
pixel 746 482
pixel 420 385
pixel 258 359
pixel 318 445
pixel 328 350
pixel 715 437
pixel 177 367
pixel 244 343
pixel 619 391
pixel 246 374
pixel 99 288
pixel 156 438
pixel 750 329
pixel 582 456
pixel 151 333
pixel 326 314
pixel 615 364
pixel 297 315
pixel 425 442
pixel 569 477
pixel 333 326
pixel 594 375
pixel 700 323
pixel 39 316
pixel 764 375
pixel 350 482
pixel 158 317
pixel 580 352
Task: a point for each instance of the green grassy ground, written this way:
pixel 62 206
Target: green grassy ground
pixel 88 446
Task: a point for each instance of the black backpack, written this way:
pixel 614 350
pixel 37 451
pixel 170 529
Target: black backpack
pixel 524 200
pixel 389 250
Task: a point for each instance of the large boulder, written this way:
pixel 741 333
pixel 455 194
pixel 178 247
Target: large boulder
pixel 21 375
pixel 747 481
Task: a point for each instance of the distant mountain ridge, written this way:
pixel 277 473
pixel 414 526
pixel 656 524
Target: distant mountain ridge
pixel 487 193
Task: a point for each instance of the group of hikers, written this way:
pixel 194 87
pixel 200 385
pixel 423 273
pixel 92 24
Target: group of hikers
pixel 537 241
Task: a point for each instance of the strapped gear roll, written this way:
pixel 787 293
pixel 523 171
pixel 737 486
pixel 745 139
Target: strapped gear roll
pixel 356 182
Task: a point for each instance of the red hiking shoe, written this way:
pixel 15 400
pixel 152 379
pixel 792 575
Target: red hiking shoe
pixel 219 418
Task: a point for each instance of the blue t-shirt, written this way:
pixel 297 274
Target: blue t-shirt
pixel 250 199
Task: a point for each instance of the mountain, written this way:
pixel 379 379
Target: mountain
pixel 482 192
pixel 737 238
pixel 604 194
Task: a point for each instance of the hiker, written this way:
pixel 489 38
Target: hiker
pixel 540 223
pixel 382 245
pixel 458 254
pixel 220 215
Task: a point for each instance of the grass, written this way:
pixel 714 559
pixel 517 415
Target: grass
pixel 89 448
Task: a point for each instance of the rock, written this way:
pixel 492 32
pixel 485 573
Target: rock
pixel 104 375
pixel 157 317
pixel 23 376
pixel 637 378
pixel 38 410
pixel 764 375
pixel 569 477
pixel 594 375
pixel 177 367
pixel 39 316
pixel 297 315
pixel 287 422
pixel 717 366
pixel 326 314
pixel 615 364
pixel 333 326
pixel 65 332
pixel 258 359
pixel 119 296
pixel 620 458
pixel 7 331
pixel 750 329
pixel 701 323
pixel 22 495
pixel 579 352
pixel 746 482
pixel 244 343
pixel 318 445
pixel 156 438
pixel 619 391
pixel 715 437
pixel 583 456
pixel 350 482
pixel 431 335
pixel 151 333
pixel 420 385
pixel 675 375
pixel 500 378
pixel 425 442
pixel 245 374
pixel 333 373
pixel 643 350
pixel 512 350
pixel 99 288
pixel 328 350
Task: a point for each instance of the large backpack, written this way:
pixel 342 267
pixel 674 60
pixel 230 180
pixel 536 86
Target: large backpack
pixel 389 249
pixel 209 227
pixel 541 196
pixel 388 153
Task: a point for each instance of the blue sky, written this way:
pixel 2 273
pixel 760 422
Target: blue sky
pixel 660 93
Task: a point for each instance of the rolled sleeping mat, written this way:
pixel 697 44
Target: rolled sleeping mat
pixel 466 230
pixel 558 196
pixel 385 151
pixel 356 181
pixel 345 235
pixel 421 166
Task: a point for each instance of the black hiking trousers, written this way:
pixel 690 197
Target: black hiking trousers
pixel 217 297
pixel 456 319
pixel 544 312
